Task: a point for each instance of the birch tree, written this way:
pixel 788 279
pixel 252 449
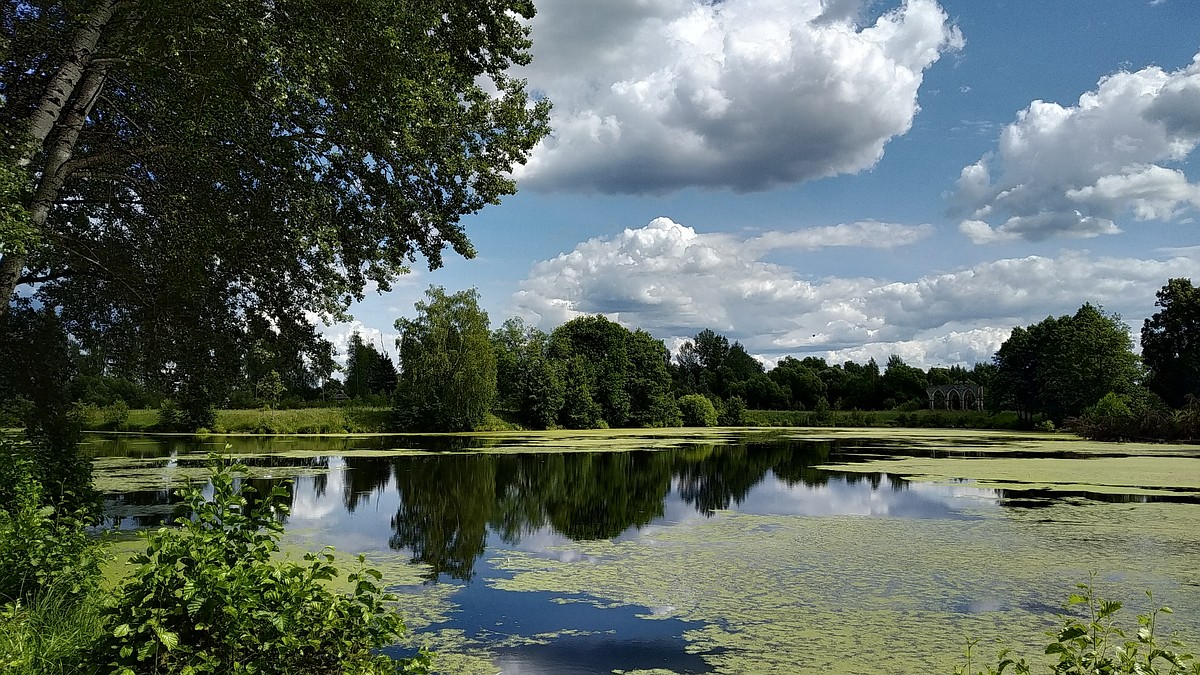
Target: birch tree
pixel 172 168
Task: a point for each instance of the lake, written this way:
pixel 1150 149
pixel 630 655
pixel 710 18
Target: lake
pixel 726 551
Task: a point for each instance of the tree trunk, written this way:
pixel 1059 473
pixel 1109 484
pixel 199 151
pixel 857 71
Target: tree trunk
pixel 61 87
pixel 74 89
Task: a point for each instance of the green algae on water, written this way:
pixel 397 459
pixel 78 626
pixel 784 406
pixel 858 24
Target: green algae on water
pixel 867 595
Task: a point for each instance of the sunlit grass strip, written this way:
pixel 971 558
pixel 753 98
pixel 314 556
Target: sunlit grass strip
pixel 51 635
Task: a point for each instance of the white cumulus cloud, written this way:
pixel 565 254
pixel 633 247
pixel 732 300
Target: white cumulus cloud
pixel 674 281
pixel 1076 171
pixel 656 95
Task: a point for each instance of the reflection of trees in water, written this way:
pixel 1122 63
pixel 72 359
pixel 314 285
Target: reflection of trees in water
pixel 711 479
pixel 449 503
pixel 604 494
pixel 445 504
pixel 1036 498
pixel 364 477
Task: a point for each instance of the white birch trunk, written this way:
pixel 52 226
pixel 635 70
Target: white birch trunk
pixel 62 92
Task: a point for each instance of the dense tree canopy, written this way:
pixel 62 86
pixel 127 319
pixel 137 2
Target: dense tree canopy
pixel 613 376
pixel 1059 366
pixel 1171 343
pixel 180 169
pixel 369 371
pixel 447 366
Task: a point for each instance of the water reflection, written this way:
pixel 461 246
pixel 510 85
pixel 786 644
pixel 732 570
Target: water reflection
pixel 444 510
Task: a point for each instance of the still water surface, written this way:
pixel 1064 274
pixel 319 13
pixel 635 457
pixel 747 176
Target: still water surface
pixel 730 552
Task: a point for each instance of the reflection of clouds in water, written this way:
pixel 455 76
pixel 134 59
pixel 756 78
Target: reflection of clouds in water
pixel 842 497
pixel 323 518
pixel 546 542
pixel 308 505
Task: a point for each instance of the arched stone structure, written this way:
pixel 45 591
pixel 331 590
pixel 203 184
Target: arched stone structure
pixel 958 396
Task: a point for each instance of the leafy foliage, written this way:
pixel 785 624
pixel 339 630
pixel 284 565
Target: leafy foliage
pixel 217 167
pixel 368 370
pixel 528 380
pixel 41 544
pixel 697 411
pixel 208 598
pixel 1171 343
pixel 1061 365
pixel 1094 644
pixel 614 376
pixel 447 366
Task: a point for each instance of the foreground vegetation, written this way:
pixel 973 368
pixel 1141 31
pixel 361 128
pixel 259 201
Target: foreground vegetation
pixel 1093 642
pixel 209 596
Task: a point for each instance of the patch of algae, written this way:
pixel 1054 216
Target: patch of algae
pixel 876 595
pixel 1154 475
pixel 116 475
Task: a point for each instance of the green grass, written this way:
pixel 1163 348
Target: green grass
pixel 51 635
pixel 920 419
pixel 341 420
pixel 367 419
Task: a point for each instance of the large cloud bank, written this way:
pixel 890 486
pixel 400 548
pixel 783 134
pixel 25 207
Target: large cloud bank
pixel 673 281
pixel 656 95
pixel 1075 171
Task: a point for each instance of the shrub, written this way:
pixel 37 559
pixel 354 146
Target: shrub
pixel 734 414
pixel 116 416
pixel 41 545
pixel 170 417
pixel 1095 644
pixel 14 411
pixel 207 598
pixel 697 411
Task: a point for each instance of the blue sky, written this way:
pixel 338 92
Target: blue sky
pixel 846 179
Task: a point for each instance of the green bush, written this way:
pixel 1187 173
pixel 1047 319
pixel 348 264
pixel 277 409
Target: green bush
pixel 734 412
pixel 1094 644
pixel 697 411
pixel 170 418
pixel 208 598
pixel 41 545
pixel 116 416
pixel 15 411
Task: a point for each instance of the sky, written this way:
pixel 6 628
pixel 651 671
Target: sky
pixel 847 179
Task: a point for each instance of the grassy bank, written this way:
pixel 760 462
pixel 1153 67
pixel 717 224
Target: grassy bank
pixel 919 419
pixel 333 420
pixel 371 419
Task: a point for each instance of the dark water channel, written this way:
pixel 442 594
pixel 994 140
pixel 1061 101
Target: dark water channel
pixel 459 512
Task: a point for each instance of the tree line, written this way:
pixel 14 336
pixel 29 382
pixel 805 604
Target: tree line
pixel 452 370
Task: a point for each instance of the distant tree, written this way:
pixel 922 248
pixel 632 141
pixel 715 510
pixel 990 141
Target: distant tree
pixel 447 366
pixel 759 391
pixel 734 412
pixel 903 383
pixel 1062 365
pixel 648 383
pixel 528 381
pixel 799 380
pixel 739 367
pixel 863 390
pixel 697 411
pixel 369 372
pixel 1171 343
pixel 270 387
pixel 698 362
pixel 598 360
pixel 613 376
